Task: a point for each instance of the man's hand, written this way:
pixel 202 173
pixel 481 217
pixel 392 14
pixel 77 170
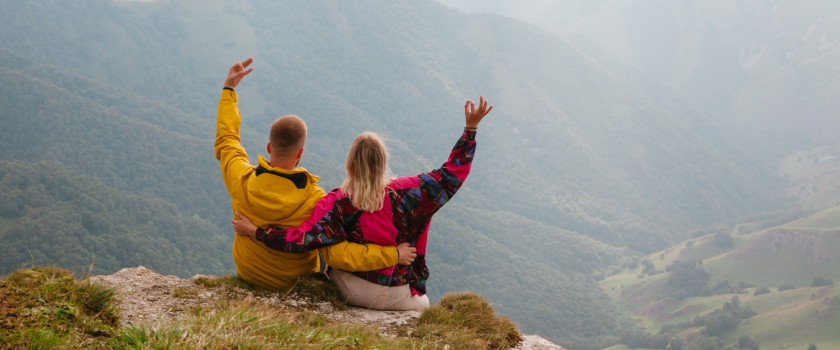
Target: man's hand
pixel 243 226
pixel 237 72
pixel 407 253
pixel 473 114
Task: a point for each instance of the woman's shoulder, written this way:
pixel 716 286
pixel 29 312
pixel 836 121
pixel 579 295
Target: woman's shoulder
pixel 404 182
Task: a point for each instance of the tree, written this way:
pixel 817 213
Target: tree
pixel 686 280
pixel 786 287
pixel 744 342
pixel 733 305
pixel 723 240
pixel 762 290
pixel 821 282
pixel 719 324
pixel 649 268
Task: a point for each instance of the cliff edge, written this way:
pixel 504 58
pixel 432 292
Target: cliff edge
pixel 146 297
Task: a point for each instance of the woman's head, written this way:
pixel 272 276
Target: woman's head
pixel 367 172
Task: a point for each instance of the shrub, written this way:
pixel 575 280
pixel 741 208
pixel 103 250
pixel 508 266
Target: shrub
pixel 744 342
pixel 724 240
pixel 649 268
pixel 717 325
pixel 762 290
pixel 786 287
pixel 467 321
pixel 821 282
pixel 732 305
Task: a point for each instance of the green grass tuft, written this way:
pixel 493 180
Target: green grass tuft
pixel 185 293
pixel 46 307
pixel 467 321
pixel 229 281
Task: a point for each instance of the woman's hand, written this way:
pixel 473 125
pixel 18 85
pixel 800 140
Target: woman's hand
pixel 407 253
pixel 473 114
pixel 243 226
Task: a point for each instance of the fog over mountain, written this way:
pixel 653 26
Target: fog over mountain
pixel 766 67
pixel 606 142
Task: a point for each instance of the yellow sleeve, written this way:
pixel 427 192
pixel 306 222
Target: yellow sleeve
pixel 229 151
pixel 359 257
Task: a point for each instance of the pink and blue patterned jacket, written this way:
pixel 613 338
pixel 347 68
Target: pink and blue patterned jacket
pixel 405 216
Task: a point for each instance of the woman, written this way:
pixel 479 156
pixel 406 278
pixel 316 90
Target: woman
pixel 371 208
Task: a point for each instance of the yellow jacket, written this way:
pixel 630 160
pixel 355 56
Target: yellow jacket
pixel 269 195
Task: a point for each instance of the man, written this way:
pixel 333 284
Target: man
pixel 278 192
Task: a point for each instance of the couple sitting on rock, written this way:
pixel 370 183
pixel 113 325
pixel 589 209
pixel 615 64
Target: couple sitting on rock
pixel 371 232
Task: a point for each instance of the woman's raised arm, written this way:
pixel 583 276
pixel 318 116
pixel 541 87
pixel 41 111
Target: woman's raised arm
pixel 439 185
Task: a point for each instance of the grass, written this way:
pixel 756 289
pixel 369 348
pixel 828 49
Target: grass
pixel 230 281
pixel 466 321
pixel 789 254
pixel 777 261
pixel 829 218
pixel 247 324
pixel 185 293
pixel 314 288
pixel 48 308
pixel 795 318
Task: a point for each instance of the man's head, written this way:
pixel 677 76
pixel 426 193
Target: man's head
pixel 286 139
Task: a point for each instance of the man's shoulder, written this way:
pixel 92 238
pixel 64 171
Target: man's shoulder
pixel 280 196
pixel 299 177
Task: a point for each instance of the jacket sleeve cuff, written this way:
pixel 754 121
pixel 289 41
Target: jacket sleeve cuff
pixel 261 234
pixel 229 95
pixel 469 134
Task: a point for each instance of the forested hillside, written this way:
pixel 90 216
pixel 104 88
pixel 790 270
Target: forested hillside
pixel 579 167
pixel 144 193
pixel 71 220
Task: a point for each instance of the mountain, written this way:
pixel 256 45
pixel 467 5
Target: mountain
pixel 765 67
pixel 785 276
pixel 582 164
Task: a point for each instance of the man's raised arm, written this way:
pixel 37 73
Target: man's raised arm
pixel 229 151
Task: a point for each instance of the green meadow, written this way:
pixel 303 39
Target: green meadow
pixel 771 271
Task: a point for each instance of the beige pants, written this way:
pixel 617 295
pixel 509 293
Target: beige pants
pixel 359 292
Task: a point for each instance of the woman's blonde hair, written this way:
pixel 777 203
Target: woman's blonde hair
pixel 367 172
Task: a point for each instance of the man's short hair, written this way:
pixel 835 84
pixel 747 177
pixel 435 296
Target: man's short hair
pixel 288 134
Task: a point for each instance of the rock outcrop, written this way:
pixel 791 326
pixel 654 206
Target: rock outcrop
pixel 145 296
